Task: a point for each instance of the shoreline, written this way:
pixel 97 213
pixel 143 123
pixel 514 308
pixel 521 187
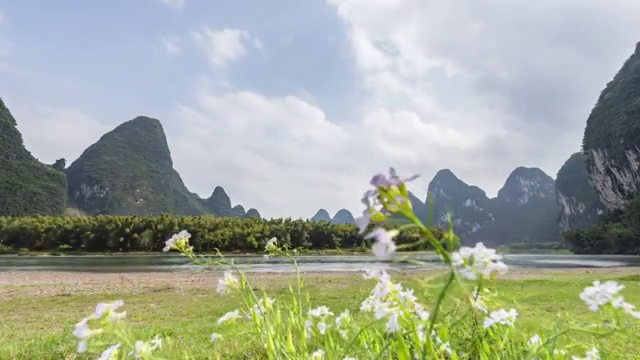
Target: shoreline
pixel 20 284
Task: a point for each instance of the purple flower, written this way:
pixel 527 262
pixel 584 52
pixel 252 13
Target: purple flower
pixel 381 180
pixel 384 245
pixel 363 221
pixel 369 197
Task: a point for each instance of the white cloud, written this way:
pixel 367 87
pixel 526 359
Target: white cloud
pixel 485 81
pixel 1 17
pixel 449 84
pixel 171 44
pixel 51 133
pixel 177 4
pixel 284 157
pixel 224 46
pixel 477 87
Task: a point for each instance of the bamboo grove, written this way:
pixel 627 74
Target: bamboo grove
pixel 132 233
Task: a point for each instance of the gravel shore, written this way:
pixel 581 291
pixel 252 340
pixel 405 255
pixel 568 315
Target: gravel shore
pixel 40 283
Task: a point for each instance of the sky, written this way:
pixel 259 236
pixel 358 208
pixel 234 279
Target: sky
pixel 292 105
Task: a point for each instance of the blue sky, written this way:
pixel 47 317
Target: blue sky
pixel 111 53
pixel 291 106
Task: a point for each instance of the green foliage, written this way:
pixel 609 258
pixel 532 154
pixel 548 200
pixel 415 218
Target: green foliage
pixel 461 320
pixel 27 187
pixel 613 123
pixel 617 233
pixel 129 171
pixel 131 233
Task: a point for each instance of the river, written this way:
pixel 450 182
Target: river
pixel 340 263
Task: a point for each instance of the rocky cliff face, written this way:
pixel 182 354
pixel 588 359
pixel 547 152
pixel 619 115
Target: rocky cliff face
pixel 525 209
pixel 469 206
pixel 616 182
pixel 129 171
pixel 526 184
pixel 580 205
pixel 612 137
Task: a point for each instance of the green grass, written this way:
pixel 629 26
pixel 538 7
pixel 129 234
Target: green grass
pixel 40 328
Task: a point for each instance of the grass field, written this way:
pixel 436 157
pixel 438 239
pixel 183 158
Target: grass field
pixel 38 315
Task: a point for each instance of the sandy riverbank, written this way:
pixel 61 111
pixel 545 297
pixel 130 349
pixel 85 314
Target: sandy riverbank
pixel 40 283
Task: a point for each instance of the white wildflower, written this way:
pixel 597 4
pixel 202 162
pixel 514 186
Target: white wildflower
pixel 619 303
pixel 109 353
pixel 393 324
pixel 227 283
pixel 215 336
pixel 317 355
pixel 83 332
pixel 600 293
pixel 607 293
pixel 477 302
pixel 156 342
pixel 478 260
pixel 320 311
pixel 385 286
pixel 230 316
pixel 308 326
pixel 383 309
pixel 384 245
pixel 181 238
pixel 421 312
pixel 407 297
pixel 322 327
pixel 142 350
pixel 110 309
pixel 420 331
pixel 534 341
pixel 592 354
pixel 262 307
pixel 446 348
pixel 272 245
pixel 363 221
pixel 501 317
pixel 343 319
pixel 350 358
pixel 443 346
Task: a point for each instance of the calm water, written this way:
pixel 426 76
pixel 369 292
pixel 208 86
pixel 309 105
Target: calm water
pixel 150 263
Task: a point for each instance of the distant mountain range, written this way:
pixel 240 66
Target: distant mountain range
pixel 343 216
pixel 525 210
pixel 129 171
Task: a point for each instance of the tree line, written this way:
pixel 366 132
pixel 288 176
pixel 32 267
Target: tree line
pixel 133 233
pixel 617 232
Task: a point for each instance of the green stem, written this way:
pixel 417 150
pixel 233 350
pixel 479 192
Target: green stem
pixel 440 298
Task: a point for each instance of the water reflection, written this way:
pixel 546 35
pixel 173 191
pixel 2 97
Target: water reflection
pixel 152 263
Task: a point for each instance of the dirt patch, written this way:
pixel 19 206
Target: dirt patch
pixel 21 284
